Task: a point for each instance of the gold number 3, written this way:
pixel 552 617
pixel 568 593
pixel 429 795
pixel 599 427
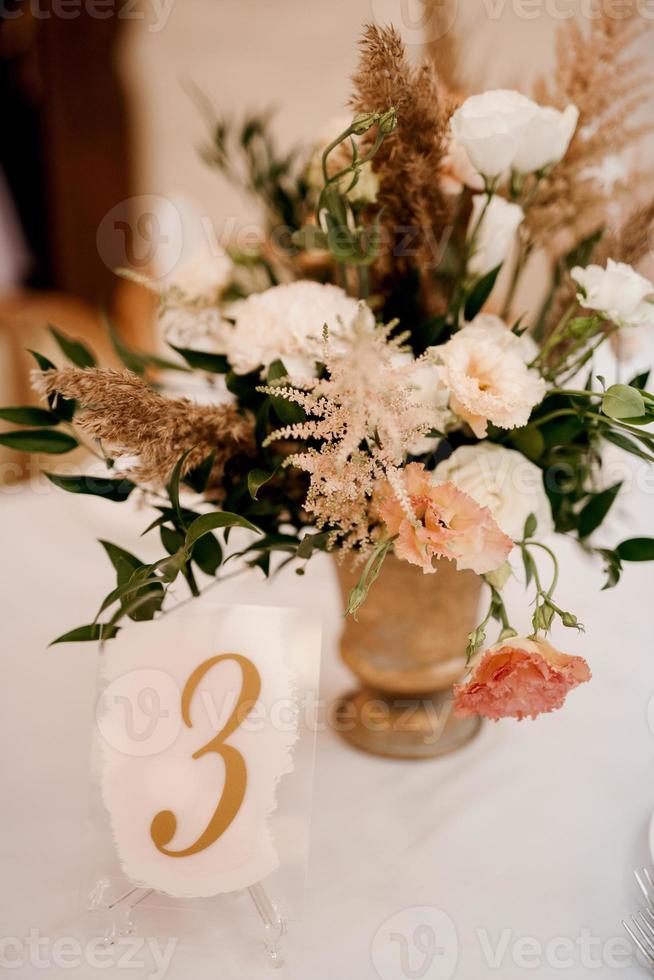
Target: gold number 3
pixel 164 825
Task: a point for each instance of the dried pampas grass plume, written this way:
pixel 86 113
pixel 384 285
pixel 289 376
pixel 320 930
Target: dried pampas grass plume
pixel 133 420
pixel 408 162
pixel 598 72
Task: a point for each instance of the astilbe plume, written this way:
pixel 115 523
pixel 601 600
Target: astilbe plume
pixel 407 163
pixel 595 71
pixel 363 414
pixel 149 431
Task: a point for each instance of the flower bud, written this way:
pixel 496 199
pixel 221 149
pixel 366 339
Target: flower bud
pixel 363 122
pixel 388 121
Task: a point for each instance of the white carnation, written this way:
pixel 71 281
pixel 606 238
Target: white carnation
pixel 286 323
pixel 503 480
pixel 203 277
pixel 485 369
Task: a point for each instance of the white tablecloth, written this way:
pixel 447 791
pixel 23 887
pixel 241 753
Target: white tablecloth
pixel 531 831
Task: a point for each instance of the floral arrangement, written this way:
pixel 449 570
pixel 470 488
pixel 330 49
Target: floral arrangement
pixel 390 357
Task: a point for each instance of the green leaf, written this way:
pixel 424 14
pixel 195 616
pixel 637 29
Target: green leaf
pixel 99 486
pixel 74 350
pixel 198 478
pixel 257 479
pixel 636 549
pixel 27 415
pixel 594 512
pixel 629 445
pixel 623 402
pixel 529 566
pixel 63 408
pixel 124 563
pixel 612 567
pixel 480 293
pixel 287 412
pixel 38 441
pixel 207 554
pixel 94 631
pixel 202 360
pixel 640 381
pixel 173 487
pixel 212 522
pixel 311 543
pixel 171 539
pixel 137 361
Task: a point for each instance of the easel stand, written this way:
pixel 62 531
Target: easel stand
pixel 120 920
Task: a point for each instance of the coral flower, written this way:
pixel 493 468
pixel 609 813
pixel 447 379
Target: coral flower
pixel 519 678
pixel 448 524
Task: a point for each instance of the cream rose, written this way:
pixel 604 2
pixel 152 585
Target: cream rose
pixel 505 481
pixel 618 291
pixel 494 233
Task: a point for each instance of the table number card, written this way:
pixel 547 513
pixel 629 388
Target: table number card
pixel 198 722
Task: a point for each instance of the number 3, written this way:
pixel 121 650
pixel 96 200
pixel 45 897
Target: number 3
pixel 164 824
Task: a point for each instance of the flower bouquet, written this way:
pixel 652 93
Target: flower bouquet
pixel 416 331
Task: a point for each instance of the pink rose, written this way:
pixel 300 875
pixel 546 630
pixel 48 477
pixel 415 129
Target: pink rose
pixel 519 678
pixel 448 524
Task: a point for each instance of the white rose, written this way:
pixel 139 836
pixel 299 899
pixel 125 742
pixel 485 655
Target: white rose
pixel 505 481
pixel 485 369
pixel 495 235
pixel 617 291
pixel 286 323
pixel 203 276
pixel 546 138
pixel 490 128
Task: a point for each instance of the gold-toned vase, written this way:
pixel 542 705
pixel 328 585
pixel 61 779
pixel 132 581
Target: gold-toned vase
pixel 407 648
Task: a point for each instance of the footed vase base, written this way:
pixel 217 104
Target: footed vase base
pixel 401 726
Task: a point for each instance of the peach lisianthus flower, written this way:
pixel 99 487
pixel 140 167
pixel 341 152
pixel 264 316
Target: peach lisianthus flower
pixel 484 368
pixel 519 678
pixel 447 523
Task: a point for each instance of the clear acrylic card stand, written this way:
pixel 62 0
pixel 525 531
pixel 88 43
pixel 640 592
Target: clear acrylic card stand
pixel 114 906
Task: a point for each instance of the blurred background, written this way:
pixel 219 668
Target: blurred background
pixel 100 147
